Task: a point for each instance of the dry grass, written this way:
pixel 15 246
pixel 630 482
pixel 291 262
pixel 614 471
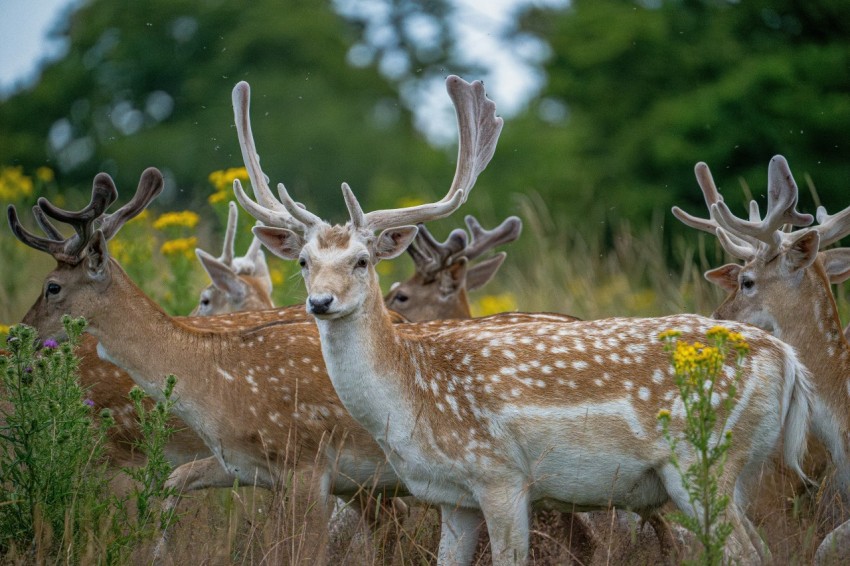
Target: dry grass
pixel 613 271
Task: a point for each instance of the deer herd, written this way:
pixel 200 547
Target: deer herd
pixel 407 394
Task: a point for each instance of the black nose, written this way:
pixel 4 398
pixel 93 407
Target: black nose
pixel 319 304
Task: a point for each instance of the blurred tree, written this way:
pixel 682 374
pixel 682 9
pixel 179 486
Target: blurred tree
pixel 638 92
pixel 149 83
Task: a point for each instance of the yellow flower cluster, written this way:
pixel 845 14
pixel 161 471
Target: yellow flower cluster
pixel 688 358
pixel 494 304
pixel 726 336
pixel 187 219
pixel 44 174
pixel 180 246
pixel 4 330
pixel 276 276
pixel 14 184
pixel 669 334
pixel 223 183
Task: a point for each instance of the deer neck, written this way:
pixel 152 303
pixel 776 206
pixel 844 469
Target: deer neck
pixel 356 349
pixel 813 328
pixel 135 334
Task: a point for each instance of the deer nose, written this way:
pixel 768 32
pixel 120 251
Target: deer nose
pixel 319 304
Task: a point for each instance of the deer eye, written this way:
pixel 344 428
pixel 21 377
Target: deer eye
pixel 53 289
pixel 401 298
pixel 205 302
pixel 747 283
pixel 361 263
pixel 302 262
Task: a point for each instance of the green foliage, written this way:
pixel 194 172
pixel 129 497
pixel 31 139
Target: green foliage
pixel 698 372
pixel 638 92
pixel 149 489
pixel 52 464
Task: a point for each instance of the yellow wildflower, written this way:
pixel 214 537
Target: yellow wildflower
pixel 217 197
pixel 4 330
pixel 14 184
pixel 276 276
pixel 669 334
pixel 663 414
pixel 143 215
pixel 223 180
pixel 184 246
pixel 44 174
pixel 187 219
pixel 494 304
pixel 118 249
pixel 718 332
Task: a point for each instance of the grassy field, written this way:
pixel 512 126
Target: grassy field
pixel 590 272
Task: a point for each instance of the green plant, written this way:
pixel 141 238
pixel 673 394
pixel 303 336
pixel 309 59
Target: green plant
pixel 52 461
pixel 698 368
pixel 149 489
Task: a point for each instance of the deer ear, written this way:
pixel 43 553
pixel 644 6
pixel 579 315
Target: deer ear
pixel 393 241
pixel 482 272
pixel 725 276
pixel 281 242
pixel 222 276
pixel 837 264
pixel 801 253
pixel 97 256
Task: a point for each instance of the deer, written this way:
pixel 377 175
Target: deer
pixel 486 419
pixel 783 287
pixel 237 283
pixel 222 365
pixel 443 274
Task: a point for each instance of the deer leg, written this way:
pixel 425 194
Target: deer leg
pixel 191 476
pixel 459 528
pixel 507 510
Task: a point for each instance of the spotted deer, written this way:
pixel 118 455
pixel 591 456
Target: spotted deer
pixel 444 272
pixel 477 417
pixel 783 287
pixel 258 396
pixel 238 283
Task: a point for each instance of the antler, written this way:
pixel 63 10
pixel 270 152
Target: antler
pixel 739 245
pixel 267 208
pixel 781 209
pixel 430 256
pixel 832 228
pixel 67 249
pixel 88 219
pixel 484 240
pixel 478 129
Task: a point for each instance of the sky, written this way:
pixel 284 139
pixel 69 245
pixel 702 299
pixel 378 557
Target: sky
pixel 511 74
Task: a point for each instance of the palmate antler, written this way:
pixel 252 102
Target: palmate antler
pixel 478 128
pixel 745 239
pixel 87 220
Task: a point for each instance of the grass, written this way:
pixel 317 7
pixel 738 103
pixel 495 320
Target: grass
pixel 590 273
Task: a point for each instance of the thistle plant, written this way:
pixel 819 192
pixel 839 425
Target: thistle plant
pixel 149 488
pixel 707 396
pixel 52 461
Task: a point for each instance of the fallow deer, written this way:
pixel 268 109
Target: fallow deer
pixel 258 397
pixel 483 418
pixel 238 283
pixel 783 287
pixel 443 273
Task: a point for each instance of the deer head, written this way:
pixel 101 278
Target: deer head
pixel 238 283
pixel 84 269
pixel 338 261
pixel 778 265
pixel 443 273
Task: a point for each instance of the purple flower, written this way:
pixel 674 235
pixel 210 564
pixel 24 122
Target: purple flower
pixel 89 402
pixel 28 369
pixel 50 343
